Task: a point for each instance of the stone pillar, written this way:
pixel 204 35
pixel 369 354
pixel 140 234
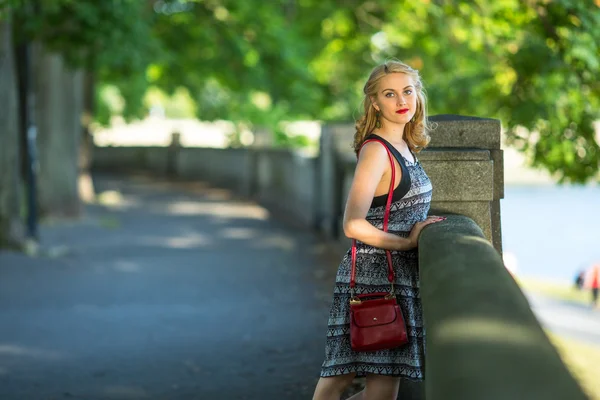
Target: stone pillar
pixel 465 164
pixel 263 138
pixel 173 154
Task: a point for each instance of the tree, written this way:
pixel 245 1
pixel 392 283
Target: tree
pixel 59 106
pixel 11 229
pixel 507 59
pixel 533 64
pixel 243 61
pixel 529 63
pixel 556 94
pixel 77 42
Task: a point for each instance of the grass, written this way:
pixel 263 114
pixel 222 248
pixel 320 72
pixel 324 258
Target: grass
pixel 583 360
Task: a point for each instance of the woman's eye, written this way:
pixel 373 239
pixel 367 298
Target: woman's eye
pixel 408 91
pixel 389 94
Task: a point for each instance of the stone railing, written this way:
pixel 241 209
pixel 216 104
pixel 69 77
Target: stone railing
pixel 483 340
pixel 282 180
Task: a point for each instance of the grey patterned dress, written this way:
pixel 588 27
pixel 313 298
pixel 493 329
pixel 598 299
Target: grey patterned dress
pixel 371 276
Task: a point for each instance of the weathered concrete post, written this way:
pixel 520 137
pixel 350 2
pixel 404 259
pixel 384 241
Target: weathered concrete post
pixel 336 161
pixel 173 154
pixel 327 208
pixel 465 164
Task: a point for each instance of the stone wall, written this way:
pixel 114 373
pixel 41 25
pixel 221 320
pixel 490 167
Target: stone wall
pixel 483 340
pixel 283 180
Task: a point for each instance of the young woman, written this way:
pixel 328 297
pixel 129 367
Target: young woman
pixel 394 113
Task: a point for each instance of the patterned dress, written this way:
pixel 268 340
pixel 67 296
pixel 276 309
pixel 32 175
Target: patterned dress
pixel 407 361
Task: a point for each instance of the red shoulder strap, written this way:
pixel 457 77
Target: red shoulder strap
pixel 386 218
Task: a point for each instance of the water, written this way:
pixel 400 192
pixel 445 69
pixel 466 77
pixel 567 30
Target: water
pixel 551 231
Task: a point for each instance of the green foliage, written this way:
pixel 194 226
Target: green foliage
pixel 534 64
pixel 224 51
pixel 284 140
pixel 179 105
pixel 557 92
pixel 109 102
pixel 111 38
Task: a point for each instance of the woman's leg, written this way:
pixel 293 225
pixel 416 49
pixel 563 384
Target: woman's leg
pixel 332 387
pixel 381 387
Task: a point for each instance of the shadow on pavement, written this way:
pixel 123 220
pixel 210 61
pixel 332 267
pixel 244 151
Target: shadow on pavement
pixel 165 291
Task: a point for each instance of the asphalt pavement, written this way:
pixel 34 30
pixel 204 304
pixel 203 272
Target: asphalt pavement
pixel 174 291
pixel 167 291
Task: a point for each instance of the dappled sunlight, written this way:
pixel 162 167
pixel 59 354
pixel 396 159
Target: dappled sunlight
pixel 15 350
pixel 126 392
pixel 187 241
pixel 85 187
pixel 115 199
pixel 224 210
pixel 486 330
pixel 217 195
pixel 127 266
pixel 275 242
pixel 239 233
pixel 472 240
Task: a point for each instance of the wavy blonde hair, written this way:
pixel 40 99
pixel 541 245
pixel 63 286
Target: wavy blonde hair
pixel 416 130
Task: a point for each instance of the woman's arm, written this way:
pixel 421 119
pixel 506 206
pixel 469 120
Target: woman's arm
pixel 373 165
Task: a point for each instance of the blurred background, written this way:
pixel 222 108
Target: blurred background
pixel 243 73
pixel 222 72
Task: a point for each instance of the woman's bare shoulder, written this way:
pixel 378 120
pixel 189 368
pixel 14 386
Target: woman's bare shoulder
pixel 372 150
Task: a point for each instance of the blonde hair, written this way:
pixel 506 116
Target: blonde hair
pixel 416 130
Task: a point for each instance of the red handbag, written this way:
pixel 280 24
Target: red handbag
pixel 376 321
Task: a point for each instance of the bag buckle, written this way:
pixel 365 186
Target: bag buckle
pixel 355 300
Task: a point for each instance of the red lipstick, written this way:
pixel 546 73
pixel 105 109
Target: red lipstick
pixel 402 111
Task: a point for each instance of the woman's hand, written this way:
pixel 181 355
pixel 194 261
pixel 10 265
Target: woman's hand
pixel 413 237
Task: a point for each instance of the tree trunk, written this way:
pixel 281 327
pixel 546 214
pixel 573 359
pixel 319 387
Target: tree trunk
pixel 11 226
pixel 59 107
pixel 86 184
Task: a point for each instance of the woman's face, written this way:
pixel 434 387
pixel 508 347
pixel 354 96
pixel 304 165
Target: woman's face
pixel 396 98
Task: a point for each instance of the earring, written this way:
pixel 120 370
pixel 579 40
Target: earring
pixel 378 122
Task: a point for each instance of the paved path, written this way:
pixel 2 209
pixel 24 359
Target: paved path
pixel 173 294
pixel 567 319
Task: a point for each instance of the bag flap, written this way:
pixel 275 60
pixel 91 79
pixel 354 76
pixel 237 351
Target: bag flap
pixel 373 316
